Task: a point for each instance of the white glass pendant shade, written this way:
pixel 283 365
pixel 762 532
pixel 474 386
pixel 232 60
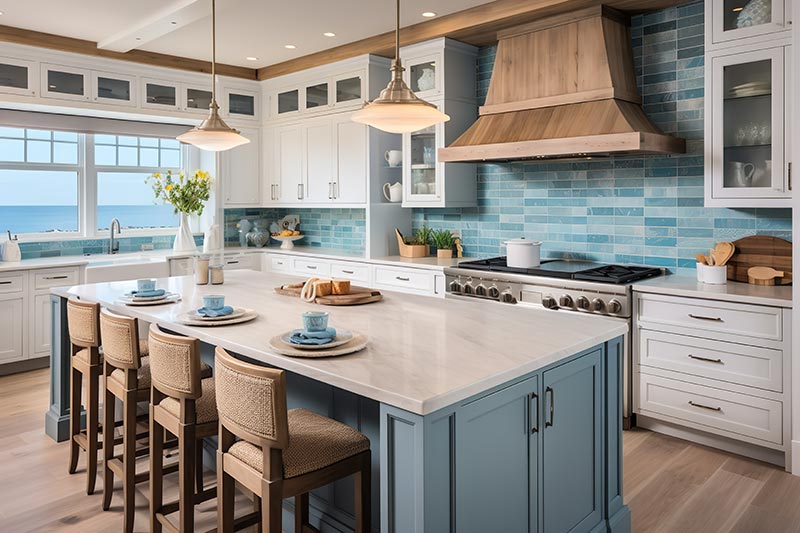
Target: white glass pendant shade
pixel 213 134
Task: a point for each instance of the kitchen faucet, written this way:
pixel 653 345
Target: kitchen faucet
pixel 113 247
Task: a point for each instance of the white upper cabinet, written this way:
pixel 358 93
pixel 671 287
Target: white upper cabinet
pixel 240 169
pixel 737 22
pixel 349 183
pixel 287 177
pixel 114 89
pixel 160 94
pixel 318 157
pixel 65 83
pixel 195 98
pixel 240 103
pixel 18 76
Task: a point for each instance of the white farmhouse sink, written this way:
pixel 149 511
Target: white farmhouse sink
pixel 125 268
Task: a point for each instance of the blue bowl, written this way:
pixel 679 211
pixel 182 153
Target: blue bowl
pixel 145 284
pixel 315 321
pixel 214 301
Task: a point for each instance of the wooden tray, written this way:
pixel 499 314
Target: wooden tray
pixel 357 296
pixel 359 342
pixel 761 250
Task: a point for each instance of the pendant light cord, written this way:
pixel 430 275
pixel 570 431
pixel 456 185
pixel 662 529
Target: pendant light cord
pixel 214 50
pixel 396 34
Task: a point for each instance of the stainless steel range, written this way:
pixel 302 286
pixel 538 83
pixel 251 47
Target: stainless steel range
pixel 559 285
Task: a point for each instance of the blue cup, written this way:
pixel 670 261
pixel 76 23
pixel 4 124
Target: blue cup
pixel 315 321
pixel 145 284
pixel 214 301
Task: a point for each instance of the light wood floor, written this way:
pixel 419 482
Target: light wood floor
pixel 670 485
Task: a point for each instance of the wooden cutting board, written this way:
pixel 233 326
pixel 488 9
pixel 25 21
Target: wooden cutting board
pixel 761 250
pixel 357 296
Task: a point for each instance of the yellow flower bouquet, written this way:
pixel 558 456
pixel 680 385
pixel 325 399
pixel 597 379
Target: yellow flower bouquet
pixel 185 194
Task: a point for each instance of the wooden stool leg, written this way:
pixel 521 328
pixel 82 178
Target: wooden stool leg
pixel 129 458
pixel 92 430
pixel 363 497
pixel 187 446
pixel 300 511
pixel 257 509
pixel 109 407
pixel 74 418
pixel 156 472
pixel 198 467
pixel 225 496
pixel 271 506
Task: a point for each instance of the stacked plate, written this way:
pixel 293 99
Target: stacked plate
pixel 132 298
pixel 753 88
pixel 238 316
pixel 344 343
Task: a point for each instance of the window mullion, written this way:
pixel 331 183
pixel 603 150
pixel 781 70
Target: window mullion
pixel 90 181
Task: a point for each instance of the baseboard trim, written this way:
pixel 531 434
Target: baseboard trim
pixel 24 366
pixel 767 455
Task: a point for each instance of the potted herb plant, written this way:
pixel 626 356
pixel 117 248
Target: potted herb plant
pixel 443 240
pixel 186 194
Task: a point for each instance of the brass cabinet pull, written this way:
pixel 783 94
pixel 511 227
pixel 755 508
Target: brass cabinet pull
pixel 707 359
pixel 549 390
pixel 701 317
pixel 533 409
pixel 701 406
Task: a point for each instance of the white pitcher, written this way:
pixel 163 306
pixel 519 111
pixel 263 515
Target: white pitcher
pixel 742 173
pixel 393 192
pixel 393 157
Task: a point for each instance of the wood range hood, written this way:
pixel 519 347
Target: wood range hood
pixel 563 87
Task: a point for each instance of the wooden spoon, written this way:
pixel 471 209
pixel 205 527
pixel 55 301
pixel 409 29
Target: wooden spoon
pixel 762 275
pixel 723 253
pixel 700 258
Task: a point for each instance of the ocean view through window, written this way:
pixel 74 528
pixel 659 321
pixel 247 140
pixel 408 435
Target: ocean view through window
pixel 47 177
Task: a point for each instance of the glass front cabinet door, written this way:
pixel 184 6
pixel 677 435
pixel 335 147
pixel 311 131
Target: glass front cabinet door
pixel 732 20
pixel 747 142
pixel 241 103
pixel 196 99
pixel 114 89
pixel 65 83
pixel 421 170
pixel 160 94
pixel 423 75
pixel 17 76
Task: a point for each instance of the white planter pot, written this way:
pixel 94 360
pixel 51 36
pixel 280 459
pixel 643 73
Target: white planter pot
pixel 522 253
pixel 184 240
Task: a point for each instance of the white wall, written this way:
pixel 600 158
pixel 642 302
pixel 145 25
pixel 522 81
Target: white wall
pixel 794 156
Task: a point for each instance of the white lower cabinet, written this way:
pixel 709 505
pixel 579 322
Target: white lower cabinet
pixel 353 271
pixel 717 370
pixel 12 311
pixel 41 328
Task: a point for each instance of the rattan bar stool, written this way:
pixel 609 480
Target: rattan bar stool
pixel 83 321
pixel 280 453
pixel 184 404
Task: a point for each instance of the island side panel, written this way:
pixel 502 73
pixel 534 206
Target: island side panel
pixel 617 513
pixel 57 417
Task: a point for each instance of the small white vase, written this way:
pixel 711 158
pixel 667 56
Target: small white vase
pixel 184 240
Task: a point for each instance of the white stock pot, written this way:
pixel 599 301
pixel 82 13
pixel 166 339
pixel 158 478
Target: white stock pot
pixel 523 253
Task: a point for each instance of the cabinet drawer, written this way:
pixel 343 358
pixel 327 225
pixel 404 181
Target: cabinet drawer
pixel 12 282
pixel 350 271
pixel 734 363
pixel 399 278
pixel 279 263
pixel 711 409
pixel 311 267
pixel 710 317
pixel 44 279
pixel 241 262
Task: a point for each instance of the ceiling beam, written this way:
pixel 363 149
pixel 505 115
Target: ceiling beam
pixel 79 46
pixel 478 26
pixel 156 25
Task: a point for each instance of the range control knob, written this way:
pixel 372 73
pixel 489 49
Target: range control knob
pixel 455 286
pixel 549 302
pixel 467 288
pixel 565 301
pixel 508 297
pixel 614 306
pixel 597 305
pixel 480 289
pixel 582 303
pixel 493 292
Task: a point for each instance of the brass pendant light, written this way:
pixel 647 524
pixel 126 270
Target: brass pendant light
pixel 398 109
pixel 213 133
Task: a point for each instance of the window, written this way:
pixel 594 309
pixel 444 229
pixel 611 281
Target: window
pixel 48 186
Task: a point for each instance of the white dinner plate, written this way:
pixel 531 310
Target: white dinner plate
pixel 342 337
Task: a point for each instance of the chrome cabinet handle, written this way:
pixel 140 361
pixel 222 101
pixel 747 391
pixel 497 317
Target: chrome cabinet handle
pixel 330 190
pixel 233 262
pixel 348 271
pixel 56 277
pixel 400 278
pixel 335 190
pixel 707 359
pixel 701 406
pixel 710 318
pixel 549 390
pixel 311 267
pixel 5 282
pixel 299 191
pixel 533 409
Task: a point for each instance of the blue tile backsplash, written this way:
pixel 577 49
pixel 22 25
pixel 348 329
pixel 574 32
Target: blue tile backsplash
pixel 643 209
pixel 34 250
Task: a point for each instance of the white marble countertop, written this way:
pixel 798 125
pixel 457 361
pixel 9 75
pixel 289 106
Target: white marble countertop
pixel 424 353
pixel 733 291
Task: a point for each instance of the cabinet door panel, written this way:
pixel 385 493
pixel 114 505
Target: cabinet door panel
pixel 289 164
pixel 351 162
pixel 495 448
pixel 319 161
pixel 41 324
pixel 241 171
pixel 571 445
pixel 11 333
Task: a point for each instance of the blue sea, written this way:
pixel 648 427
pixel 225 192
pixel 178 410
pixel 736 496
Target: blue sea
pixel 47 218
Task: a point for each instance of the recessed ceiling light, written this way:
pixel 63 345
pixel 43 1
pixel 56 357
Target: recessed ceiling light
pixel 329 34
pixel 429 14
pixel 251 58
pixel 289 46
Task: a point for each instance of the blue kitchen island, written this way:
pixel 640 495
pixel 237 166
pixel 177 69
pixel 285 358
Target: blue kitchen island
pixel 482 417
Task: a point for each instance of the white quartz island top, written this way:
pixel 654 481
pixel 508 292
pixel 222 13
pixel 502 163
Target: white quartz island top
pixel 424 353
pixel 733 291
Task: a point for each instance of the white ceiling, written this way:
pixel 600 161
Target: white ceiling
pixel 257 28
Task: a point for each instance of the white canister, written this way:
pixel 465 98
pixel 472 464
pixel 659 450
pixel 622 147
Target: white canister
pixel 523 253
pixel 713 275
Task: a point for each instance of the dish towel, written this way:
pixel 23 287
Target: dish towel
pixel 301 336
pixel 148 294
pixel 213 313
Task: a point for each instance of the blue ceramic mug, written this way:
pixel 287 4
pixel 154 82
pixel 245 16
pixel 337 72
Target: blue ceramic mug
pixel 145 284
pixel 214 301
pixel 315 320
